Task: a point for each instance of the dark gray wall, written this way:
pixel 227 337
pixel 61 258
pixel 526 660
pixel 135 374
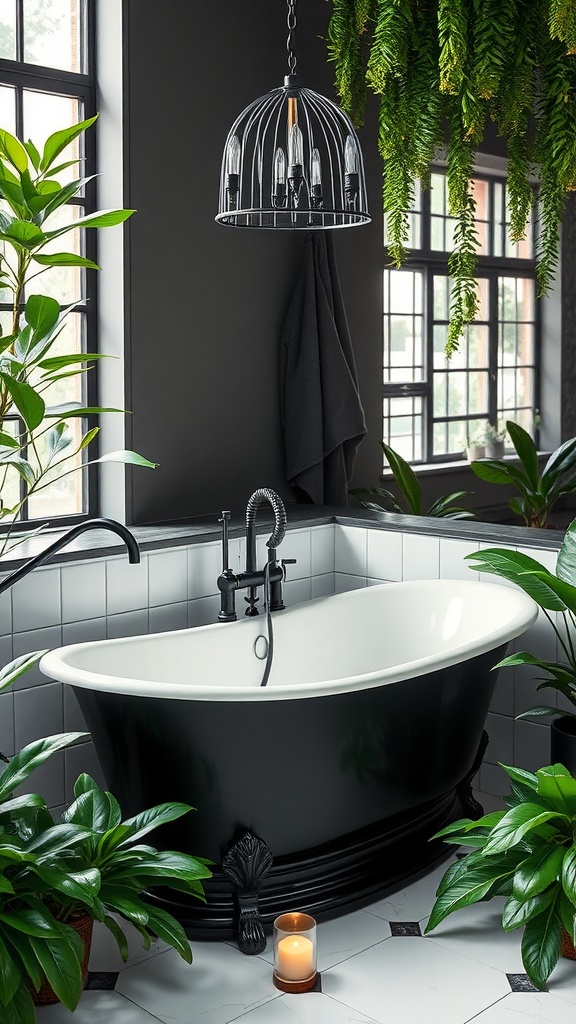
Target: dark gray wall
pixel 206 302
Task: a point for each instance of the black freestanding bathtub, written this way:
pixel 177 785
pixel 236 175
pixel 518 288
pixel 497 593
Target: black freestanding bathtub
pixel 339 771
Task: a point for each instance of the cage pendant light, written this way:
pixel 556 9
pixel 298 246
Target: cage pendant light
pixel 292 160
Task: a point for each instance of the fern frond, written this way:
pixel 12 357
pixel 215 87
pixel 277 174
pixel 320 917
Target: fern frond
pixel 462 269
pixel 426 103
pixel 562 22
pixel 349 50
pixel 390 43
pixel 453 39
pixel 493 35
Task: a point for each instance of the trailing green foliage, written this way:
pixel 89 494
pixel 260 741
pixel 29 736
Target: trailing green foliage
pixel 410 489
pixel 444 68
pixel 539 492
pixel 555 594
pixel 36 453
pixel 526 854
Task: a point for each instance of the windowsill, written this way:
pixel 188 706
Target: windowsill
pixel 455 466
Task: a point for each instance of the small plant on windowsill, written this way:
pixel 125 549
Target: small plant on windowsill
pixel 410 490
pixel 494 441
pixel 538 492
pixel 38 444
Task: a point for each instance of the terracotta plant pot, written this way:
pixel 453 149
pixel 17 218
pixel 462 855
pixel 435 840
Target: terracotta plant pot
pixel 568 949
pixel 46 995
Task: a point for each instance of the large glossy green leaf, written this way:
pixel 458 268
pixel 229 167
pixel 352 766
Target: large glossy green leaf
pixel 128 457
pixel 118 899
pixel 102 219
pixel 78 886
pixel 515 824
pixel 64 259
pixel 34 920
pixel 31 756
pixel 569 874
pixel 141 824
pixel 496 472
pixel 62 836
pixel 542 586
pixel 94 809
pixel 526 451
pixel 21 1010
pixel 465 888
pixel 18 667
pixel 173 864
pixel 28 402
pixel 568 916
pixel 538 871
pixel 19 946
pixel 167 928
pixel 517 912
pixel 406 479
pixel 9 975
pixel 42 313
pixel 558 787
pixel 61 959
pixel 566 564
pixel 22 234
pixel 563 460
pixel 521 776
pixel 59 140
pixel 541 945
pixel 119 935
pixel 540 711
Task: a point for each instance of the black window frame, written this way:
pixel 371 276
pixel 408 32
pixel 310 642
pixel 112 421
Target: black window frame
pixel 81 86
pixel 429 262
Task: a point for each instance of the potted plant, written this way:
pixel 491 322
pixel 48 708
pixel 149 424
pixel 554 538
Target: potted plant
pixel 555 594
pixel 475 447
pixel 538 491
pixel 56 878
pixel 43 446
pixel 494 441
pixel 527 855
pixel 410 489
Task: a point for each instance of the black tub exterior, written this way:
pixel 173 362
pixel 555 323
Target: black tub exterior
pixel 346 790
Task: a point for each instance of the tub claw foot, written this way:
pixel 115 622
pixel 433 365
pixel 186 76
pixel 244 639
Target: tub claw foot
pixel 245 865
pixel 473 809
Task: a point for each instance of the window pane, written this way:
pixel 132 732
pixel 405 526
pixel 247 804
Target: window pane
pixel 63 496
pixel 53 34
pixel 403 426
pixel 8 108
pixel 46 113
pixel 8 30
pixel 66 284
pixel 403 326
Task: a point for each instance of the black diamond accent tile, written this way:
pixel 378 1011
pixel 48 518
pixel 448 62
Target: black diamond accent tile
pixel 521 983
pixel 317 986
pixel 405 928
pixel 105 981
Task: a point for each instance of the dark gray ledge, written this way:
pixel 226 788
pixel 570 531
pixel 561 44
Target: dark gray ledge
pixel 155 536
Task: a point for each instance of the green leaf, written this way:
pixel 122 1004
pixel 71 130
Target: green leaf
pixel 9 975
pixel 517 912
pixel 61 959
pixel 526 450
pixel 515 824
pixel 538 712
pixel 541 945
pixel 566 564
pixel 58 141
pixel 406 479
pixel 468 887
pixel 102 219
pixel 59 362
pixel 568 916
pixel 558 787
pixel 496 472
pixel 167 928
pixel 31 757
pixel 569 874
pixel 64 259
pixel 79 886
pixel 128 457
pixel 32 153
pixel 538 871
pixel 119 935
pixel 18 667
pixel 96 810
pixel 542 586
pixel 21 1010
pixel 13 150
pixel 35 921
pixel 28 402
pixel 152 818
pixel 42 313
pixel 24 234
pixel 563 460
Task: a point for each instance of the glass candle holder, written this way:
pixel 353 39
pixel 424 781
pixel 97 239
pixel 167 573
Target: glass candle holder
pixel 294 952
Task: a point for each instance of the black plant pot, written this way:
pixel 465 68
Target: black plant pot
pixel 563 742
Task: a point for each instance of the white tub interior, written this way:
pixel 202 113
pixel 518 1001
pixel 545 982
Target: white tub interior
pixel 362 638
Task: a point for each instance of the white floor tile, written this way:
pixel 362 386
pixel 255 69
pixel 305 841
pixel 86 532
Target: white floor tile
pixel 414 902
pixel 342 938
pixel 477 932
pixel 105 956
pixel 96 1008
pixel 403 980
pixel 528 1008
pixel 562 981
pixel 219 986
pixel 306 1007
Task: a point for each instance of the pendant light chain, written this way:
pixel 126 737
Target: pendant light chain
pixel 291 41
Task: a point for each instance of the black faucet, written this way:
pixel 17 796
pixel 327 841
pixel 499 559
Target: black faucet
pixel 88 524
pixel 275 572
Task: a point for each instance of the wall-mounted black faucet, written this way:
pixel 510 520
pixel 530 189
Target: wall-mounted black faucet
pixel 75 531
pixel 274 573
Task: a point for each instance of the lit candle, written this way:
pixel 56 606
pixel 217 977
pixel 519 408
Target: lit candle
pixel 295 958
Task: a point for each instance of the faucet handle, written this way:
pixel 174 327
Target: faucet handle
pixel 287 561
pixel 224 519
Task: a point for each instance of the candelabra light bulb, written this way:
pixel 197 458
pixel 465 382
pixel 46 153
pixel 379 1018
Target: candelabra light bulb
pixel 351 163
pixel 316 171
pixel 280 166
pixel 295 147
pixel 233 156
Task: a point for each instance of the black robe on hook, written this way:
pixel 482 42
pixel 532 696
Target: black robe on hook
pixel 321 409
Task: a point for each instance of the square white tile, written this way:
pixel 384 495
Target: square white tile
pixel 126 585
pixel 350 550
pixel 167 576
pixel 36 601
pixel 83 590
pixel 420 557
pixel 384 554
pixel 322 546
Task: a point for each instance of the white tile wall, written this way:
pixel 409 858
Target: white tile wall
pixel 176 588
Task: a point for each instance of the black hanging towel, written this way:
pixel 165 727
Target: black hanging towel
pixel 321 410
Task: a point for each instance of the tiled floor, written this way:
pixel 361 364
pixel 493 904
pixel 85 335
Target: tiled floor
pixel 374 970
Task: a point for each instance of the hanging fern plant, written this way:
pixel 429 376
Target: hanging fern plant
pixel 443 69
